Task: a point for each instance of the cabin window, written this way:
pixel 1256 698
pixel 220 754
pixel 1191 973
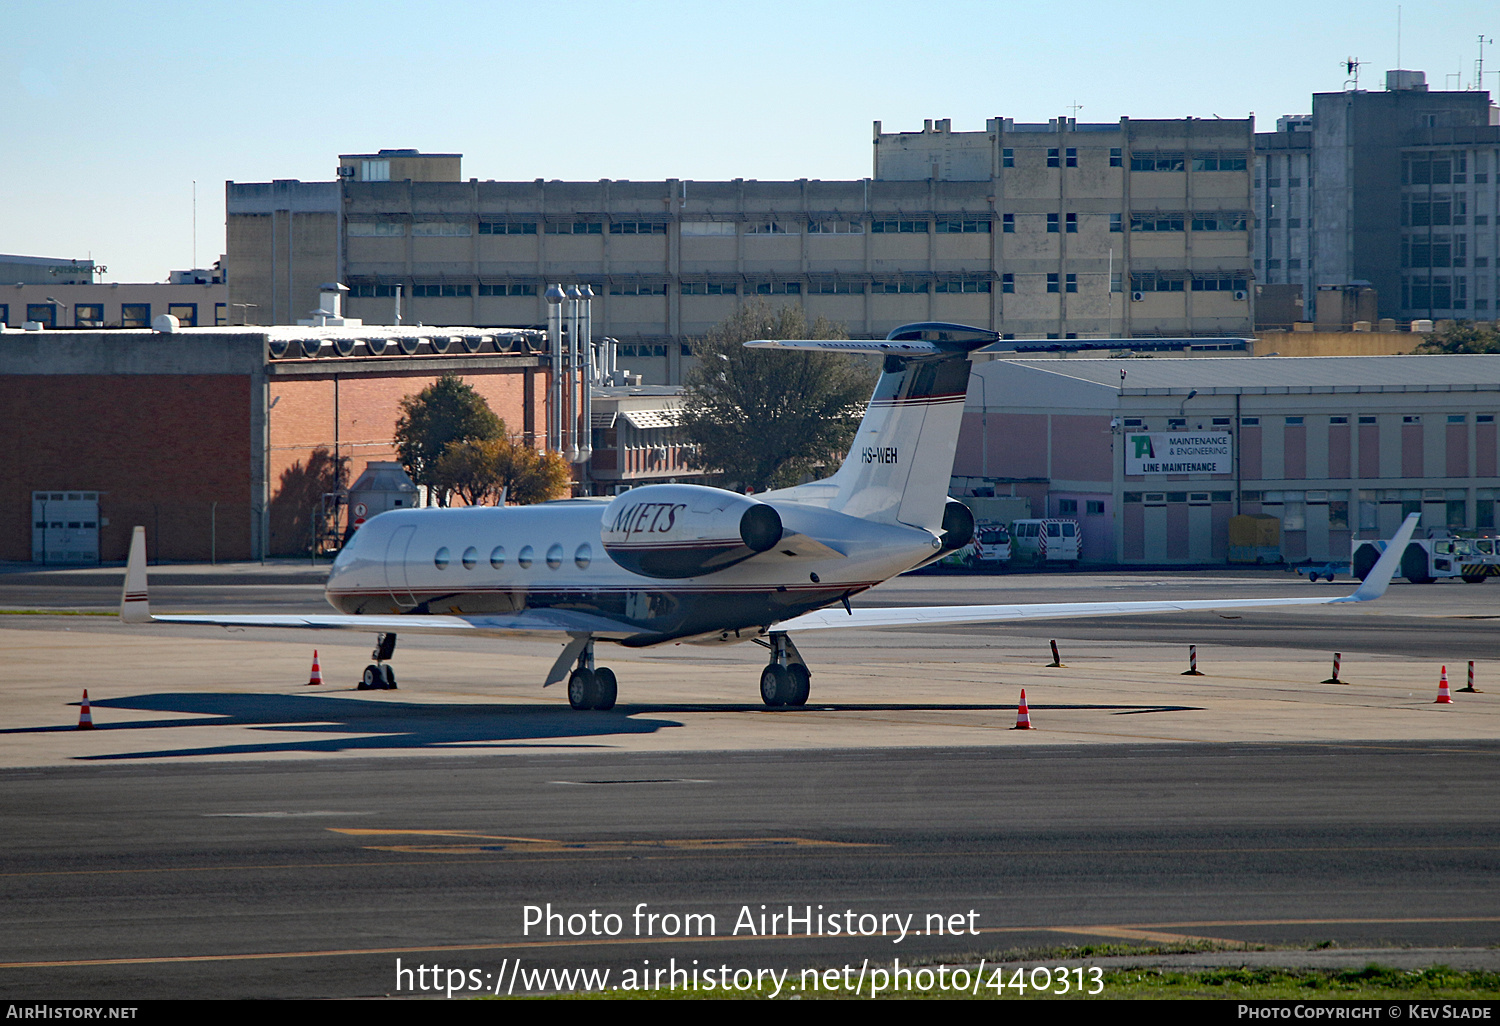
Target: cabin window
pixel 554 556
pixel 471 557
pixel 497 556
pixel 583 557
pixel 524 558
pixel 441 559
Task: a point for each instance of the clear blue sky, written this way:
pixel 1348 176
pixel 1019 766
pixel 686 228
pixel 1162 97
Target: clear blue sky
pixel 110 111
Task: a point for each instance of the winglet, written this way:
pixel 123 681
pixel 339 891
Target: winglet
pixel 1385 567
pixel 135 607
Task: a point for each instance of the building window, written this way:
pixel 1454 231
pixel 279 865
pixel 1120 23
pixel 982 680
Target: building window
pixel 1052 283
pixel 1052 158
pixel 1221 284
pixel 1008 223
pixel 442 291
pixel 1052 223
pixel 507 227
pixel 894 287
pixel 372 291
pixel 513 289
pixel 637 228
pixel 1219 221
pixel 135 315
pixel 836 288
pixel 1115 222
pixel 1157 222
pixel 1007 283
pixel 962 285
pixel 1094 507
pixel 1116 157
pixel 1219 162
pixel 375 170
pixel 1070 283
pixel 778 288
pixel 899 227
pixel 1067 507
pixel 707 288
pixel 86 315
pixel 1156 162
pixel 582 228
pixel 445 229
pixel 1070 158
pixel 1158 281
pixel 186 313
pixel 374 229
pixel 835 227
pixel 1007 158
pixel 221 313
pixel 771 228
pixel 963 227
pixel 1071 221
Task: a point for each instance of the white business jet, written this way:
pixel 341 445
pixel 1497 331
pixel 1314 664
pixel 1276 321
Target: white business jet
pixel 689 563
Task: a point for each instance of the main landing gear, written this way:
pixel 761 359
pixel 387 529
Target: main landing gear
pixel 786 680
pixel 379 676
pixel 591 687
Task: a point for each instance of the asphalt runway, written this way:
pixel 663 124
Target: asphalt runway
pixel 230 832
pixel 310 880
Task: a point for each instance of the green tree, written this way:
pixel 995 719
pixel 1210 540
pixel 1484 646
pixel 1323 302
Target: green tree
pixel 448 410
pixel 768 417
pixel 1462 337
pixel 482 470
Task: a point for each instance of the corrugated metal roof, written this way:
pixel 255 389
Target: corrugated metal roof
pixel 1297 374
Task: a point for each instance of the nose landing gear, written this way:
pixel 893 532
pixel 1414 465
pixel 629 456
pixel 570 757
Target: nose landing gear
pixel 379 676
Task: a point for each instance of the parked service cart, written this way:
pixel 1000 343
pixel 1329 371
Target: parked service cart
pixel 1428 559
pixel 1046 541
pixel 1255 538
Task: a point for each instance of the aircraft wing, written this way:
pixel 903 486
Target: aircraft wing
pixel 1372 588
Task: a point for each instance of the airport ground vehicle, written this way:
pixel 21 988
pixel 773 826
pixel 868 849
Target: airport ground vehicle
pixel 1429 559
pixel 989 549
pixel 1045 540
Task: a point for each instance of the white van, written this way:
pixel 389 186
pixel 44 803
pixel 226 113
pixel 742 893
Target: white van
pixel 1044 541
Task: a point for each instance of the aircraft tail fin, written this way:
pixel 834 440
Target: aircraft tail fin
pixel 135 606
pixel 1385 567
pixel 898 468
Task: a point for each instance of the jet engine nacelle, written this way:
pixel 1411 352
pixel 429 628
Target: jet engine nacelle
pixel 680 530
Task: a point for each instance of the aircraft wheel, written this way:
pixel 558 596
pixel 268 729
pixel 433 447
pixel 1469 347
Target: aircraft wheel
pixel 801 684
pixel 372 679
pixel 772 687
pixel 1473 578
pixel 388 677
pixel 606 688
pixel 582 689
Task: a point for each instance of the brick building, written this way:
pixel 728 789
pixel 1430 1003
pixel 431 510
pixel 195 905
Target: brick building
pixel 224 442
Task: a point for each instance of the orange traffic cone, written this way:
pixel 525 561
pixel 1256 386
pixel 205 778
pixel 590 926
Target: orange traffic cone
pixel 316 677
pixel 1443 697
pixel 85 718
pixel 1023 715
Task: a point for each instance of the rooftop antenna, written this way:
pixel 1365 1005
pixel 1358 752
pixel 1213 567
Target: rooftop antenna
pixel 195 223
pixel 1351 69
pixel 1398 36
pixel 1479 64
pixel 1076 107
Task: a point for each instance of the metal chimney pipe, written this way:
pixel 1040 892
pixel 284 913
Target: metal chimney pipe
pixel 555 296
pixel 574 298
pixel 586 419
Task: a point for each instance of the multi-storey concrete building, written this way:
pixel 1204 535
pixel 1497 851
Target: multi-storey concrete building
pixel 1393 189
pixel 1105 230
pixel 1055 230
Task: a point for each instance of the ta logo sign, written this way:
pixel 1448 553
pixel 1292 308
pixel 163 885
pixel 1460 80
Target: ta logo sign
pixel 1144 450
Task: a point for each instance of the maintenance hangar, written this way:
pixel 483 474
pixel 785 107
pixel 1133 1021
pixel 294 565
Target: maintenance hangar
pixel 1154 456
pixel 226 443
